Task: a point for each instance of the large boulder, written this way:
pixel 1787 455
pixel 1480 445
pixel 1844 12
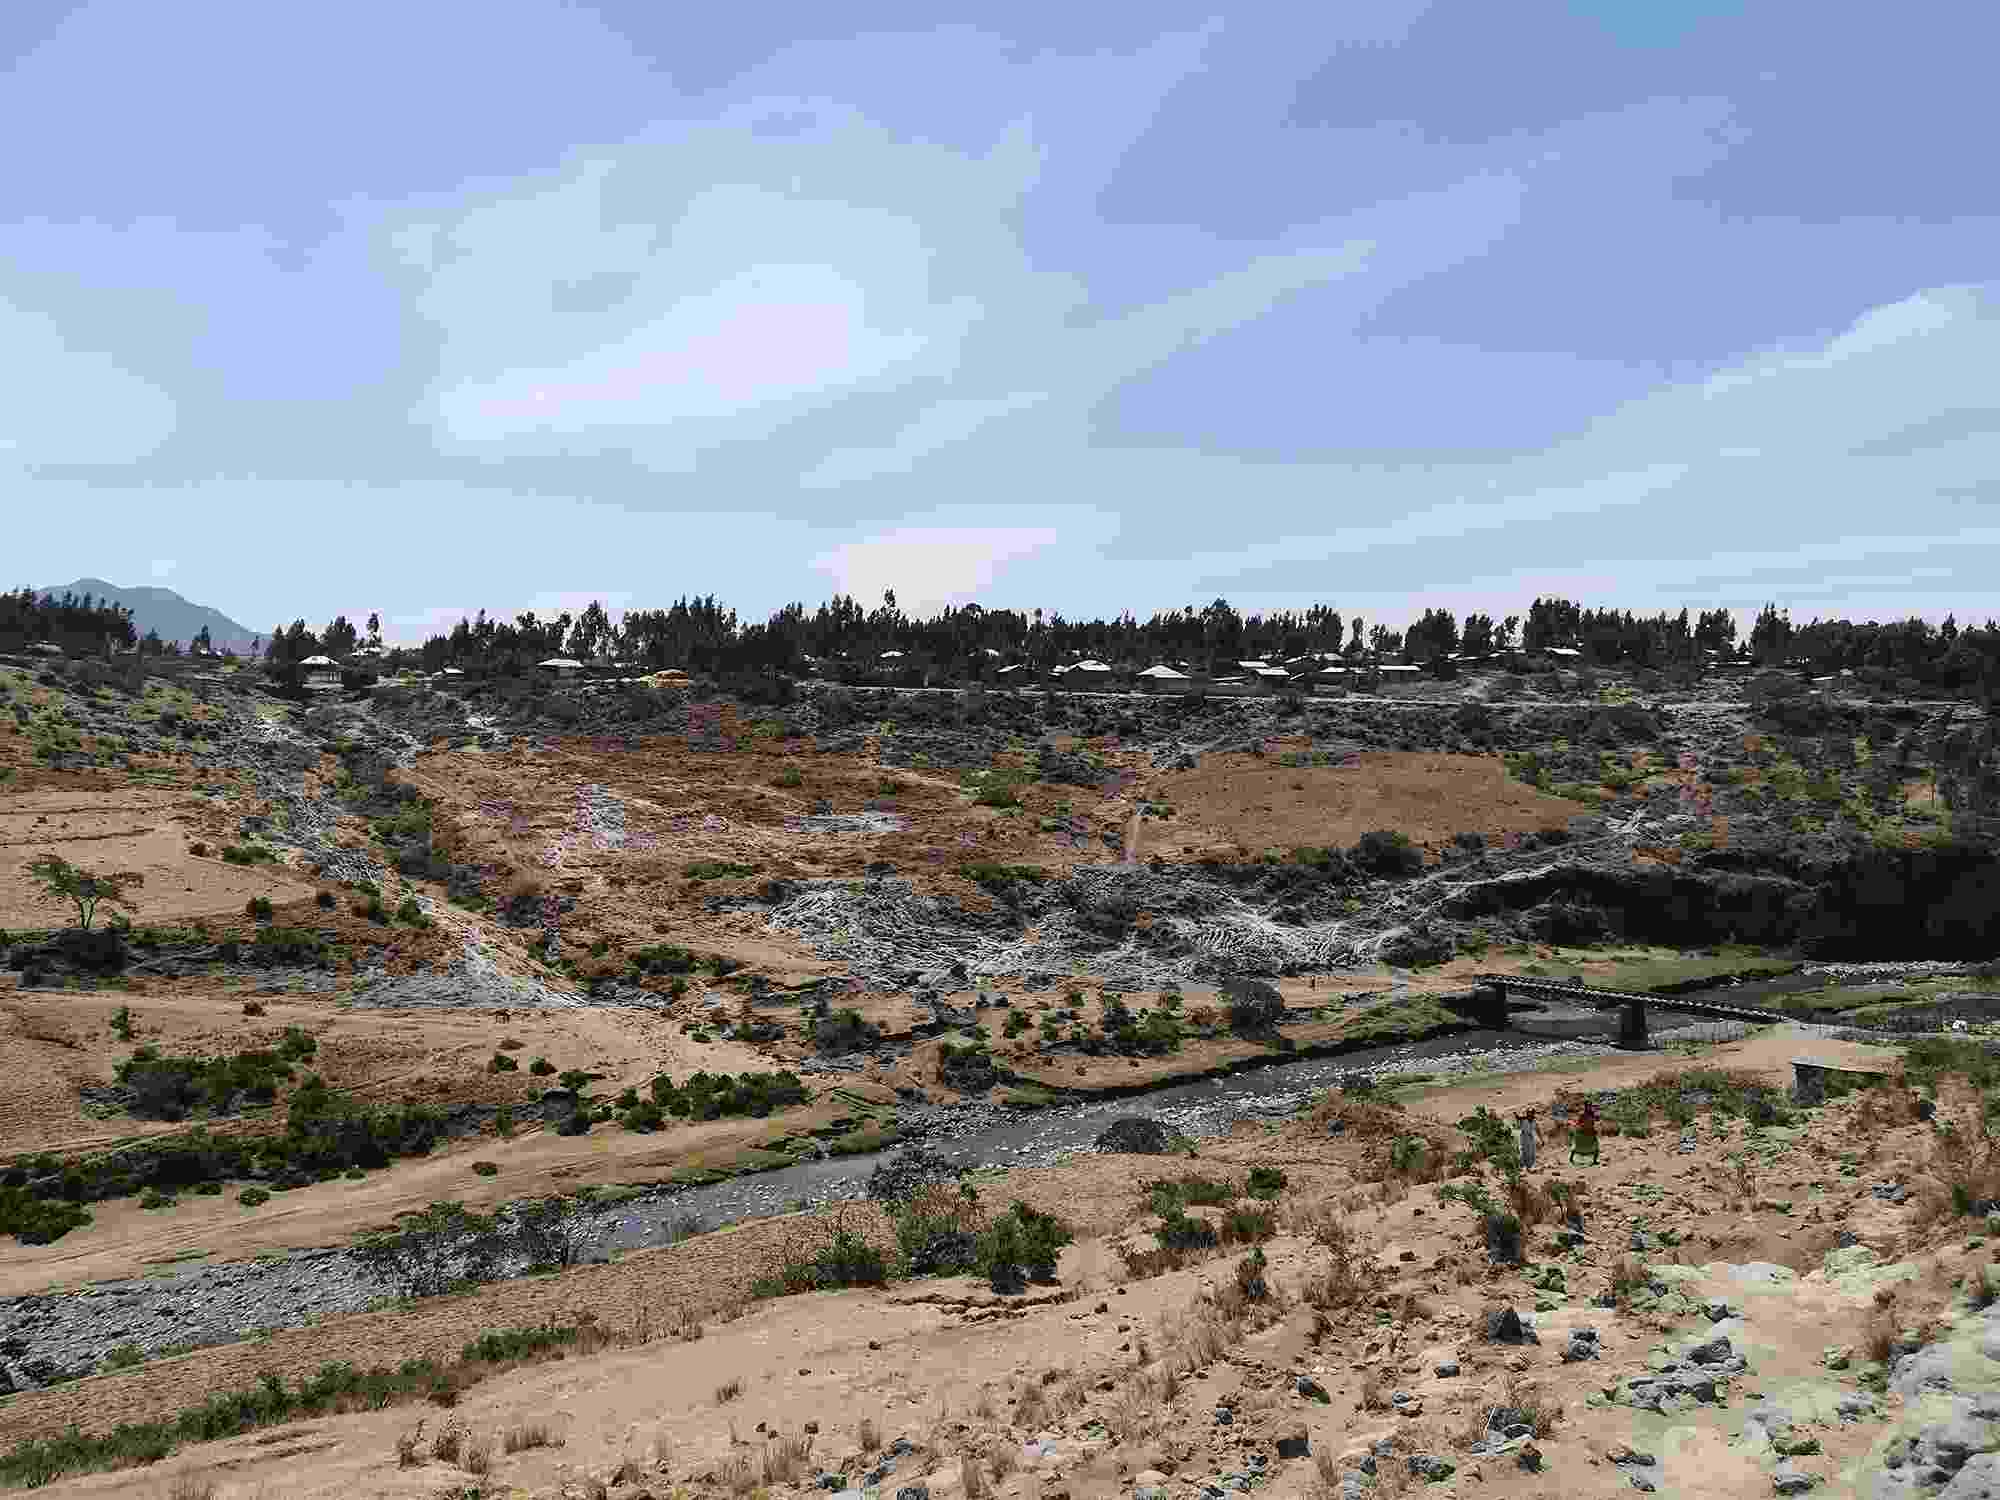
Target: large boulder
pixel 1136 1136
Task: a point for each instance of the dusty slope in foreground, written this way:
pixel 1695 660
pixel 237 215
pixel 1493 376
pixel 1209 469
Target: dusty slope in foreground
pixel 1123 1377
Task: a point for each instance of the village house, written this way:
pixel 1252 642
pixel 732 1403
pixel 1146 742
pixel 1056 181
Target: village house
pixel 559 668
pixel 321 673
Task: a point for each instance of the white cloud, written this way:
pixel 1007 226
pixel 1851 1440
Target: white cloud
pixel 932 430
pixel 931 565
pixel 60 404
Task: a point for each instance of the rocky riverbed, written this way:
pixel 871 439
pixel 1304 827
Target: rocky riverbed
pixel 48 1338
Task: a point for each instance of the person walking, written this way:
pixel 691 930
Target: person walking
pixel 1528 1141
pixel 1583 1135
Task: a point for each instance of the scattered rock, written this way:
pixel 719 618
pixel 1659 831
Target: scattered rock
pixel 1430 1468
pixel 1312 1390
pixel 1504 1326
pixel 1298 1445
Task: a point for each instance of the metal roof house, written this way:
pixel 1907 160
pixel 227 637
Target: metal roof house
pixel 321 673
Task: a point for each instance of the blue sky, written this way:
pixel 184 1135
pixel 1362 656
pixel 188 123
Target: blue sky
pixel 426 308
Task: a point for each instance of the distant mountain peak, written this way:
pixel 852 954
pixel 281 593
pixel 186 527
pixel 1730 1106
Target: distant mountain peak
pixel 174 616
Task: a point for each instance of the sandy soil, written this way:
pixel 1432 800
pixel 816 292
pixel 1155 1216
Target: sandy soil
pixel 917 1358
pixel 1251 802
pixel 130 829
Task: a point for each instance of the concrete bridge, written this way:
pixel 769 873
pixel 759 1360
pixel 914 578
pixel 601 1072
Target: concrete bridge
pixel 1490 1004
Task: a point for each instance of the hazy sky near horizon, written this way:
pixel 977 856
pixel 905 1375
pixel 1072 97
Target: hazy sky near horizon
pixel 428 308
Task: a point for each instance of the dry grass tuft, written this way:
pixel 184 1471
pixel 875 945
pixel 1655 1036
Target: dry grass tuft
pixel 406 1447
pixel 478 1456
pixel 628 1471
pixel 1326 1470
pixel 450 1441
pixel 1031 1408
pixel 522 1436
pixel 1004 1458
pixel 785 1458
pixel 972 1478
pixel 737 1474
pixel 1539 1408
pixel 188 1485
pixel 684 1323
pixel 729 1390
pixel 868 1435
pixel 1372 1395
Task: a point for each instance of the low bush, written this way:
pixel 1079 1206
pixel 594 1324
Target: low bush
pixel 288 945
pixel 825 1252
pixel 38 1221
pixel 486 1168
pixel 257 909
pixel 662 958
pixel 541 1067
pixel 1386 852
pixel 172 1088
pixel 502 1063
pixel 712 1096
pixel 250 1197
pixel 716 869
pixel 1020 1246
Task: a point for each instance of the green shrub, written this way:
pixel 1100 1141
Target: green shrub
pixel 287 945
pixel 1000 878
pixel 789 779
pixel 1170 1195
pixel 486 1168
pixel 38 1221
pixel 121 1023
pixel 250 1197
pixel 825 1252
pixel 643 1116
pixel 716 869
pixel 154 1198
pixel 1386 852
pixel 712 1096
pixel 1021 1245
pixel 1266 1182
pixel 1247 1223
pixel 412 913
pixel 502 1063
pixel 257 909
pixel 662 958
pixel 541 1067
